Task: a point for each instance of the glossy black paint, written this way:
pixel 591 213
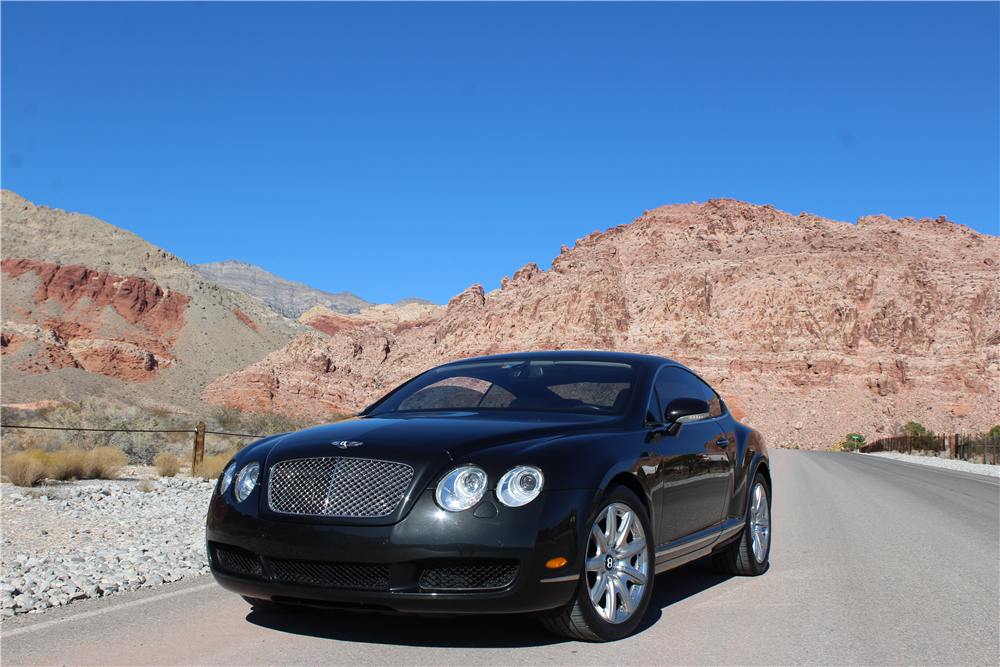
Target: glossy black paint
pixel 693 477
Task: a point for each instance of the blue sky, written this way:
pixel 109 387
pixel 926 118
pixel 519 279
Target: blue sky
pixel 396 150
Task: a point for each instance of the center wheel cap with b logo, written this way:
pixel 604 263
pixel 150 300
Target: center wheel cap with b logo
pixel 609 562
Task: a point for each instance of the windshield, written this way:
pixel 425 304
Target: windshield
pixel 595 387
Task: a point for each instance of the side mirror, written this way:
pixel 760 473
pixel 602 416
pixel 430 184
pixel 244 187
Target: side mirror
pixel 681 410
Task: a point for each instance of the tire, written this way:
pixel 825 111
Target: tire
pixel 748 555
pixel 271 605
pixel 610 602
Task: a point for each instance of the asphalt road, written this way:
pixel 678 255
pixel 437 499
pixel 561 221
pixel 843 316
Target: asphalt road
pixel 874 562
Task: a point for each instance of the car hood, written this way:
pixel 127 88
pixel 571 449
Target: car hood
pixel 414 436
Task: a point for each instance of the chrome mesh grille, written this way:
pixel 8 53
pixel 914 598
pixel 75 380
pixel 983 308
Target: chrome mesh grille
pixel 337 486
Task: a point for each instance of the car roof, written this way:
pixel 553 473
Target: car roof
pixel 646 360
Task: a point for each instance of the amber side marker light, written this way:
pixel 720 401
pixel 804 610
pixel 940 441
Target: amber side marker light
pixel 555 563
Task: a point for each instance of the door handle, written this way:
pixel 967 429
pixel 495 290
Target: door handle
pixel 722 444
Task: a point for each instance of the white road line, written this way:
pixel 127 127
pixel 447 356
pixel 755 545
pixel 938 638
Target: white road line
pixel 98 612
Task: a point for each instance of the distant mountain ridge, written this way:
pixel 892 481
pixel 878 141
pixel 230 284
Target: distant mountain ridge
pixel 286 297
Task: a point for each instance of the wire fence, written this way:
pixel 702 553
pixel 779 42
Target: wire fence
pixel 197 447
pixel 973 448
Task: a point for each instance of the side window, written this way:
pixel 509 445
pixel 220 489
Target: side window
pixel 671 383
pixel 714 402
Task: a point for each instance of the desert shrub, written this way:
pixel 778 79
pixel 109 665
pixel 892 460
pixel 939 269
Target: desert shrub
pixel 71 464
pixel 213 466
pixel 105 462
pixel 852 441
pixel 47 459
pixel 231 419
pixel 167 465
pixel 97 413
pixel 22 469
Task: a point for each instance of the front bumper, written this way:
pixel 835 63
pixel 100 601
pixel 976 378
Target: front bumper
pixel 432 561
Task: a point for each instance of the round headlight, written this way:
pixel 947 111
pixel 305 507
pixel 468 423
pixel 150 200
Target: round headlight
pixel 227 478
pixel 461 489
pixel 246 481
pixel 520 486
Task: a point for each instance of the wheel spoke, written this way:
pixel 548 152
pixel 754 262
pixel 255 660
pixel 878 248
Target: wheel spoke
pixel 595 564
pixel 632 574
pixel 623 529
pixel 621 585
pixel 611 531
pixel 598 590
pixel 600 539
pixel 631 549
pixel 612 600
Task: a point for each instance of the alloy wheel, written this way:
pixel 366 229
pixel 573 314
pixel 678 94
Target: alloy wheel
pixel 617 565
pixel 760 523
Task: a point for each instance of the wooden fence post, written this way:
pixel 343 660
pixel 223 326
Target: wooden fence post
pixel 199 447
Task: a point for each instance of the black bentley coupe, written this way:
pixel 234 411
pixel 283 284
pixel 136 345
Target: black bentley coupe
pixel 552 483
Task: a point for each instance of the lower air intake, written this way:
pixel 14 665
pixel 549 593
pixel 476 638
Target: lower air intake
pixel 331 575
pixel 480 575
pixel 237 561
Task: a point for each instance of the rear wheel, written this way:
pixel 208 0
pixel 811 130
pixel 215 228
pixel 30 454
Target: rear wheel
pixel 617 578
pixel 748 555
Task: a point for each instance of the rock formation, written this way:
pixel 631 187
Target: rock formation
pixel 395 317
pixel 810 328
pixel 71 320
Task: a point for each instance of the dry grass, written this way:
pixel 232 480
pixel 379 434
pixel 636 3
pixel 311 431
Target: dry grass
pixel 167 465
pixel 105 462
pixel 213 466
pixel 22 469
pixel 69 464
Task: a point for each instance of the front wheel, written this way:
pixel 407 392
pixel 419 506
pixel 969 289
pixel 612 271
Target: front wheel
pixel 748 555
pixel 617 579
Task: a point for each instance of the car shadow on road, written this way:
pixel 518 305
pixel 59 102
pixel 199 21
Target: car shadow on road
pixel 480 631
pixel 679 584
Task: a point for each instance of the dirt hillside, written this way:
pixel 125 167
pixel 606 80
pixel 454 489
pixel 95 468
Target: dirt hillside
pixel 92 309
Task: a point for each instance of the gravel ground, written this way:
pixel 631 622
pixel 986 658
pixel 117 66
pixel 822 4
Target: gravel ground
pixel 962 466
pixel 69 541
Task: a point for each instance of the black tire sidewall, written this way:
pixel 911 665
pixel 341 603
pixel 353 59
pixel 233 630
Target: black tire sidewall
pixel 606 631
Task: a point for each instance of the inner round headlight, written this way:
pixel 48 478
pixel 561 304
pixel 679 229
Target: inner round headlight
pixel 227 478
pixel 461 489
pixel 246 481
pixel 520 486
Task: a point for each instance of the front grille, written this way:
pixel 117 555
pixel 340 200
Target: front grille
pixel 238 561
pixel 470 576
pixel 331 575
pixel 336 486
